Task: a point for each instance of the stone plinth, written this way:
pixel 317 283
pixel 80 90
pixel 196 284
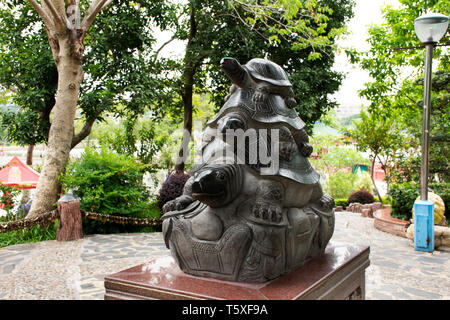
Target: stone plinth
pixel 337 274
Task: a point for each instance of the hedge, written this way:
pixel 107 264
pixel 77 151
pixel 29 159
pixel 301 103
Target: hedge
pixel 405 194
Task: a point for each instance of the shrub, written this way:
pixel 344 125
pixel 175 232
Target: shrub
pixel 172 188
pixel 341 202
pixel 404 195
pixel 364 182
pixel 111 184
pixel 341 184
pixel 361 196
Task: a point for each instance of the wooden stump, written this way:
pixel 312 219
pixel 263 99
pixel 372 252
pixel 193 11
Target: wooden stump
pixel 69 225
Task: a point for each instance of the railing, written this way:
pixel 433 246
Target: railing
pixel 49 217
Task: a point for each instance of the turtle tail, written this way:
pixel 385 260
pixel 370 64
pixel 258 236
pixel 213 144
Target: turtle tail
pixel 234 71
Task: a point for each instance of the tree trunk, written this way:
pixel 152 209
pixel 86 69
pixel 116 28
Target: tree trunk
pixel 30 155
pixel 187 123
pixel 372 173
pixel 188 90
pixel 70 225
pixel 70 75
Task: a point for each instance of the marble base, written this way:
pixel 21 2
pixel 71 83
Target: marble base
pixel 337 274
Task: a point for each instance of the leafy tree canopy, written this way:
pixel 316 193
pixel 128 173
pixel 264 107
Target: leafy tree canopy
pixel 396 66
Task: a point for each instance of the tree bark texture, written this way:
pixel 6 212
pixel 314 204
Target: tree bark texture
pixel 191 65
pixel 372 173
pixel 61 131
pixel 70 223
pixel 30 155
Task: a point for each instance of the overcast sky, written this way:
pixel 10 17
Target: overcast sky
pixel 367 12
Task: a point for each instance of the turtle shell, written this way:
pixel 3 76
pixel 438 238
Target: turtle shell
pixel 273 111
pixel 268 71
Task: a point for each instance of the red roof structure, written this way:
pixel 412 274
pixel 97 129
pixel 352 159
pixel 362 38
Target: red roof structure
pixel 19 175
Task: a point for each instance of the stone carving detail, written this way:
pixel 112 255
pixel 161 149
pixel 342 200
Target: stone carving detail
pixel 235 221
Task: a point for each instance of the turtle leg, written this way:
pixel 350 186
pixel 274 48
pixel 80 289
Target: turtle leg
pixel 305 149
pixel 302 139
pixel 261 94
pixel 289 99
pixel 325 201
pixel 269 196
pixel 233 89
pixel 182 201
pixel 290 102
pixel 233 122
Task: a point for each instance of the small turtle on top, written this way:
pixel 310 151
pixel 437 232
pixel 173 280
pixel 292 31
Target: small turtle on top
pixel 264 76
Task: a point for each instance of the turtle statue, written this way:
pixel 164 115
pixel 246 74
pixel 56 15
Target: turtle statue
pixel 264 76
pixel 238 221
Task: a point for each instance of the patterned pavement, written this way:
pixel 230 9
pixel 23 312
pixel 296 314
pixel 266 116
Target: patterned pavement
pixel 75 270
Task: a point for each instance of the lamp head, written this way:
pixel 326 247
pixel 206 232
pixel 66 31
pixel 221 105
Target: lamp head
pixel 431 27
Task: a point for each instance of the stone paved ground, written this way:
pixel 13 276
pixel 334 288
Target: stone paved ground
pixel 76 269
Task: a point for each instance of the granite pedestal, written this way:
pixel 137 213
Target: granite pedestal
pixel 337 274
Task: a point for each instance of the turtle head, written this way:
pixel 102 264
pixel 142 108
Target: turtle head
pixel 233 69
pixel 217 186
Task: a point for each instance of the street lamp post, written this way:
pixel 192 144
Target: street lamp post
pixel 430 28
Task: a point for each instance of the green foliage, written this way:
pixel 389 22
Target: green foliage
pixel 119 76
pixel 340 184
pixel 404 195
pixel 109 183
pixel 396 91
pixel 139 141
pixel 303 43
pixel 341 202
pixel 364 182
pixel 34 234
pixel 335 161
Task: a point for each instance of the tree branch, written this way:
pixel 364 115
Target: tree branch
pixel 94 9
pixel 162 47
pixel 58 18
pixel 45 18
pixel 84 132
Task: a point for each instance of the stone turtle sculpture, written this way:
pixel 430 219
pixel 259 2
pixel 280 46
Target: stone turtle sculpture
pixel 264 76
pixel 234 222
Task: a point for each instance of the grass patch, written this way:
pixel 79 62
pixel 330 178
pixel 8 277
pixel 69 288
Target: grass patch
pixel 34 234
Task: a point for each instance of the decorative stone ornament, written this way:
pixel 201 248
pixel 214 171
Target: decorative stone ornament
pixel 241 217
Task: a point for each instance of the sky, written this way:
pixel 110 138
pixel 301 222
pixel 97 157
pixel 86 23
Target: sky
pixel 367 12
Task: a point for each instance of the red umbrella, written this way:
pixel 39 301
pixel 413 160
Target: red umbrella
pixel 19 175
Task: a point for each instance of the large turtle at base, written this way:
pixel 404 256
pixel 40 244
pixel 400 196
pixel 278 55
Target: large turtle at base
pixel 264 76
pixel 233 224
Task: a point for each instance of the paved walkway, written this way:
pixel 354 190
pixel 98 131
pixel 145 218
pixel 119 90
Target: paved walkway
pixel 76 269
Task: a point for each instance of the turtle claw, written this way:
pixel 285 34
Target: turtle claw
pixel 287 150
pixel 177 204
pixel 306 149
pixel 266 211
pixel 291 103
pixel 259 97
pixel 232 123
pixel 326 202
